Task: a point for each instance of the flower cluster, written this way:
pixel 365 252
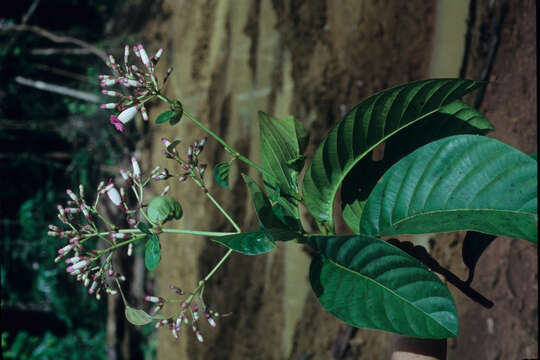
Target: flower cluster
pixel 85 222
pixel 141 82
pixel 189 313
pixel 193 168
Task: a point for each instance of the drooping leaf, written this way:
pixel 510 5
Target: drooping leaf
pixel 262 205
pixel 452 119
pixel 164 208
pixel 255 242
pixel 369 283
pixel 137 316
pixel 221 174
pixel 164 117
pixel 474 245
pixel 152 254
pixel 462 182
pixel 282 142
pixel 367 125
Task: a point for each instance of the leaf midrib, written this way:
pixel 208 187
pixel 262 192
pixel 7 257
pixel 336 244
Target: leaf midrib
pixel 361 156
pixel 386 288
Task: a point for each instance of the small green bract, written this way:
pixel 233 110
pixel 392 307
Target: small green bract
pixel 164 208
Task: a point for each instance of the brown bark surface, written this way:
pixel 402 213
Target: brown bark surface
pixel 316 59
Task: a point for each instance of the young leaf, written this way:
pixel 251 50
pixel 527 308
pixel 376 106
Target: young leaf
pixel 281 143
pixel 221 174
pixel 462 182
pixel 137 316
pixel 172 146
pixel 175 117
pixel 369 283
pixel 152 254
pixel 262 205
pixel 367 125
pixel 164 208
pixel 144 228
pixel 453 119
pixel 248 243
pixel 164 117
pixel 255 242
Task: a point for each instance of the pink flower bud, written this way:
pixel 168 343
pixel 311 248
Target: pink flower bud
pixel 93 287
pixel 144 56
pixel 136 168
pixel 65 249
pixel 72 210
pixel 123 118
pixel 126 54
pixel 120 236
pixel 72 195
pixel 130 249
pixel 144 114
pixel 165 190
pixel 210 320
pixel 199 336
pixel 85 212
pixel 153 299
pixel 108 106
pixel 53 233
pixel 111 93
pixel 107 82
pixel 174 332
pixel 60 210
pixel 129 82
pixel 114 196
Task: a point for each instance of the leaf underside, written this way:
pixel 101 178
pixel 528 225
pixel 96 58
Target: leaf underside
pixel 367 125
pixel 369 283
pixel 462 182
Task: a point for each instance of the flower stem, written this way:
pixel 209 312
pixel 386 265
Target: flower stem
pixel 236 227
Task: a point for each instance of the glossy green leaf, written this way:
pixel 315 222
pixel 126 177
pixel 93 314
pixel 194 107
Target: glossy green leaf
pixel 164 117
pixel 137 316
pixel 462 182
pixel 474 245
pixel 367 125
pixel 152 254
pixel 453 119
pixel 221 174
pixel 262 205
pixel 369 283
pixel 164 208
pixel 255 242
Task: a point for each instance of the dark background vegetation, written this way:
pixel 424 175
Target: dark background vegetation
pixel 50 142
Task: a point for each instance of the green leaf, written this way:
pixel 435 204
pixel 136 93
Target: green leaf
pixel 178 111
pixel 367 125
pixel 535 156
pixel 137 316
pixel 152 254
pixel 262 205
pixel 462 182
pixel 474 245
pixel 369 283
pixel 164 117
pixel 282 142
pixel 453 119
pixel 221 174
pixel 255 242
pixel 144 228
pixel 164 208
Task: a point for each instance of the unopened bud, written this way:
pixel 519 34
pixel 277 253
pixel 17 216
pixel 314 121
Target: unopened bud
pixel 136 168
pixel 153 299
